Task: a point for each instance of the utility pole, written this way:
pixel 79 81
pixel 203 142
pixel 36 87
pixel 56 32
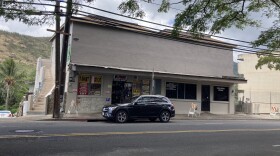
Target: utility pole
pixel 153 82
pixel 56 105
pixel 65 45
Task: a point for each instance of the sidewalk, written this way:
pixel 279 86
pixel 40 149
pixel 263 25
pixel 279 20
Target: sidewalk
pixel 203 116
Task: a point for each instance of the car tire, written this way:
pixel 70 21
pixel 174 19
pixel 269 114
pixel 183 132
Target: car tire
pixel 152 119
pixel 164 116
pixel 121 116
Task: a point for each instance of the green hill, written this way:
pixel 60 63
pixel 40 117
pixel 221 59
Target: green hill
pixel 23 49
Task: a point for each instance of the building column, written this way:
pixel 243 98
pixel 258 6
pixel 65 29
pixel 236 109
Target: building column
pixel 231 99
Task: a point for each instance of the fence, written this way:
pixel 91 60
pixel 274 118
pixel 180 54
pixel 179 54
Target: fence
pixel 257 101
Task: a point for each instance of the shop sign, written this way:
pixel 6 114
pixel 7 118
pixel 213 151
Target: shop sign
pixel 135 92
pixel 120 78
pixel 96 79
pixel 83 89
pixel 108 99
pixel 220 89
pixel 146 82
pixel 145 87
pixel 84 78
pixel 171 86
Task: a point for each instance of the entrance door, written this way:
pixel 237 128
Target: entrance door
pixel 205 98
pixel 121 92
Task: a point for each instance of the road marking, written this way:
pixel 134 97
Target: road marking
pixel 21 136
pixel 276 145
pixel 213 123
pixel 133 133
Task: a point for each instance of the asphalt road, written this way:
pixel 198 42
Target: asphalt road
pixel 178 138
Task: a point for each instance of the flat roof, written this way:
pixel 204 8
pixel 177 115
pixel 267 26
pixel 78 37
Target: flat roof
pixel 133 27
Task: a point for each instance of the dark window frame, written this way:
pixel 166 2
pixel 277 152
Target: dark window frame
pixel 222 97
pixel 91 86
pixel 171 93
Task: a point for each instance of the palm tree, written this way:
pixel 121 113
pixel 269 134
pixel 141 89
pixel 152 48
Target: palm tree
pixel 10 76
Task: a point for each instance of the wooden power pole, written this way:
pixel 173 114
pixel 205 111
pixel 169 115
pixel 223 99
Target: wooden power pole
pixel 65 45
pixel 56 105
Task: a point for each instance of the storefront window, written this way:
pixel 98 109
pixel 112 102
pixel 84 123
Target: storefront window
pixel 140 87
pixel 221 93
pixel 190 91
pixel 89 85
pixel 171 90
pixel 180 90
pixel 145 87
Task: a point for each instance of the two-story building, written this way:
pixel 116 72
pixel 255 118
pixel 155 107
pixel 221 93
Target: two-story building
pixel 111 61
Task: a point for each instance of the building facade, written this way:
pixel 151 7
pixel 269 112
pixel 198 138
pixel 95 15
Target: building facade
pixel 262 90
pixel 111 61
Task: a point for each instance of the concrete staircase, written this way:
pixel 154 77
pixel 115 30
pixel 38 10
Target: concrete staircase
pixel 39 106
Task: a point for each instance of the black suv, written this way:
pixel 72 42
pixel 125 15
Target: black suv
pixel 144 106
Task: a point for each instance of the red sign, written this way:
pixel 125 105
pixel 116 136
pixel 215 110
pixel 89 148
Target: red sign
pixel 83 89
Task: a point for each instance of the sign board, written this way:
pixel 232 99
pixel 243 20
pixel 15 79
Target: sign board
pixel 171 86
pixel 84 78
pixel 83 89
pixel 120 78
pixel 96 79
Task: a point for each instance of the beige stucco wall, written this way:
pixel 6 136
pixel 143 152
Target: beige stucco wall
pixel 105 46
pixel 87 104
pixel 263 85
pixel 116 48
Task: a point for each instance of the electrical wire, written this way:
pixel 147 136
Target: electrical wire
pixel 117 14
pixel 156 34
pixel 102 10
pixel 235 49
pixel 87 13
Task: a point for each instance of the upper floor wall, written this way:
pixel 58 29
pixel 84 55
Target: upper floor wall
pixel 263 79
pixel 106 46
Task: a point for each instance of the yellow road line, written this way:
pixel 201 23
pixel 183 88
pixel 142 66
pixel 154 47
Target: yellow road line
pixel 133 133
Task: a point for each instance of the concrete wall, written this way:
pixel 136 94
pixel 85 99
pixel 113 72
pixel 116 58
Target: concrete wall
pixel 182 106
pixel 52 57
pixel 87 104
pixel 95 45
pixel 263 85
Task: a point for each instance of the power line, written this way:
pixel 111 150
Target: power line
pixel 33 3
pixel 236 49
pixel 209 41
pixel 160 24
pixel 117 14
pixel 153 3
pixel 102 10
pixel 155 34
pixel 28 12
pixel 160 5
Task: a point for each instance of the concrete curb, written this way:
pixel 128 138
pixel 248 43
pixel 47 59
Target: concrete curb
pixel 99 118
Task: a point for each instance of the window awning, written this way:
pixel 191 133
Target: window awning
pixel 157 74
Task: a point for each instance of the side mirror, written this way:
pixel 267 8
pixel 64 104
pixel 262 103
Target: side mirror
pixel 135 103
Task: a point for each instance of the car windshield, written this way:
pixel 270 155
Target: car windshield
pixel 133 99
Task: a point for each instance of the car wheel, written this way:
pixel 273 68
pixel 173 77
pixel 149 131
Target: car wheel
pixel 164 116
pixel 152 119
pixel 121 116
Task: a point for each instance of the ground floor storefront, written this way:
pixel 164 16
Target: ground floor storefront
pixel 90 88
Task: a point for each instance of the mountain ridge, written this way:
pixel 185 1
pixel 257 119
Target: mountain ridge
pixel 24 49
